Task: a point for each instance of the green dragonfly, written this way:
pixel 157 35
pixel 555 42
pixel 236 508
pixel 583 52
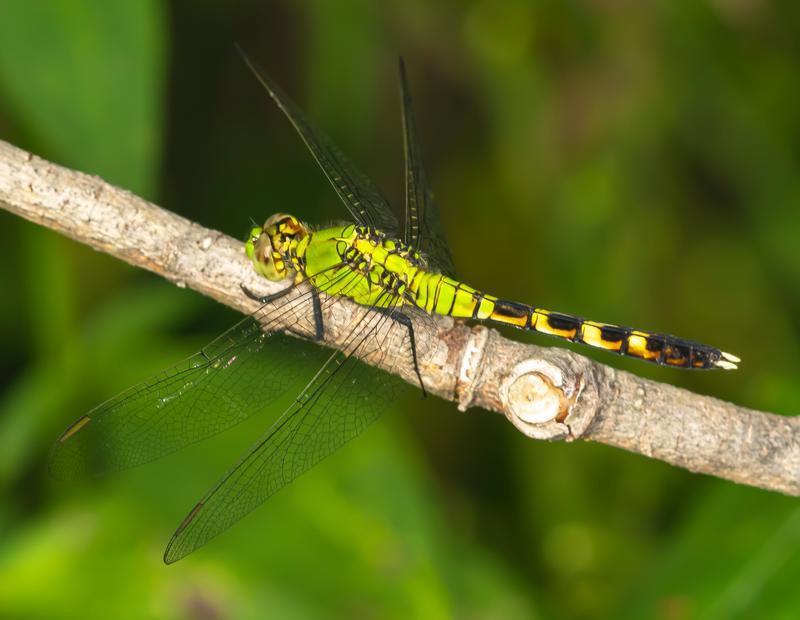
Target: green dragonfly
pixel 403 278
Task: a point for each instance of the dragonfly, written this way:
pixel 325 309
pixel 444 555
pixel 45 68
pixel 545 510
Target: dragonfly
pixel 401 277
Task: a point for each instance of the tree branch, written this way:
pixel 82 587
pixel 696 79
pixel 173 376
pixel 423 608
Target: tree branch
pixel 547 393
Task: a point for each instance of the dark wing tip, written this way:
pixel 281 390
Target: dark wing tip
pixel 175 551
pixel 66 461
pixel 169 556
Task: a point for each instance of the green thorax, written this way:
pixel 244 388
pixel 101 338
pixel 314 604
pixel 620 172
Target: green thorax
pixel 357 262
pixel 374 269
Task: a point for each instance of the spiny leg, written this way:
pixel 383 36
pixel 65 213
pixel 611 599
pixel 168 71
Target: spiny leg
pixel 265 299
pixel 316 306
pixel 405 321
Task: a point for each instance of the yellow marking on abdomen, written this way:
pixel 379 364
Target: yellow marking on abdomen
pixel 638 346
pixel 510 313
pixel 562 326
pixel 593 336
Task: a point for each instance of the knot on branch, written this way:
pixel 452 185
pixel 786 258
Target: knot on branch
pixel 539 398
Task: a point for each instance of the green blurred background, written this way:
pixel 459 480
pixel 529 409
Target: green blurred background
pixel 631 162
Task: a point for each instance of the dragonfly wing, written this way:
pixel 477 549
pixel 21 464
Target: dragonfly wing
pixel 235 376
pixel 364 201
pixel 343 398
pixel 423 229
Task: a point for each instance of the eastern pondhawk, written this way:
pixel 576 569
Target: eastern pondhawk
pixel 396 274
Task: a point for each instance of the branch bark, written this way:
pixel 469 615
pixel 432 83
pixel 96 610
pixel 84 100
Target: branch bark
pixel 547 393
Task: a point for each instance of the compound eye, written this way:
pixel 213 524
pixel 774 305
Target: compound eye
pixel 274 222
pixel 284 225
pixel 263 249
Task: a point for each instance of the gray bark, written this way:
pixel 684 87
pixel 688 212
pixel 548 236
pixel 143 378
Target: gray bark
pixel 547 393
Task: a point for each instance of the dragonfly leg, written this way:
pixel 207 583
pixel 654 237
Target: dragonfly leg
pixel 264 299
pixel 317 308
pixel 405 321
pixel 316 305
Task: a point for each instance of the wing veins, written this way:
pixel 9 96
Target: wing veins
pixel 358 193
pixel 142 423
pixel 423 229
pixel 248 474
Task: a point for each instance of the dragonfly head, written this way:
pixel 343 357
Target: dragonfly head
pixel 268 246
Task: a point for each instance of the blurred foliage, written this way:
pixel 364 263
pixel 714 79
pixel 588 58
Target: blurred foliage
pixel 631 162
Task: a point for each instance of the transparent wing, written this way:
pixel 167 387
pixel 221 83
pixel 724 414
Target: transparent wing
pixel 423 228
pixel 364 201
pixel 236 376
pixel 339 402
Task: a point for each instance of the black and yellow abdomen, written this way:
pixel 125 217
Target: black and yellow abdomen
pixel 439 294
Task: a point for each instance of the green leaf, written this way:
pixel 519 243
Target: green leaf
pixel 83 78
pixel 737 556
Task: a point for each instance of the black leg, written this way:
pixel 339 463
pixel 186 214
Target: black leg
pixel 317 307
pixel 405 321
pixel 319 330
pixel 264 299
